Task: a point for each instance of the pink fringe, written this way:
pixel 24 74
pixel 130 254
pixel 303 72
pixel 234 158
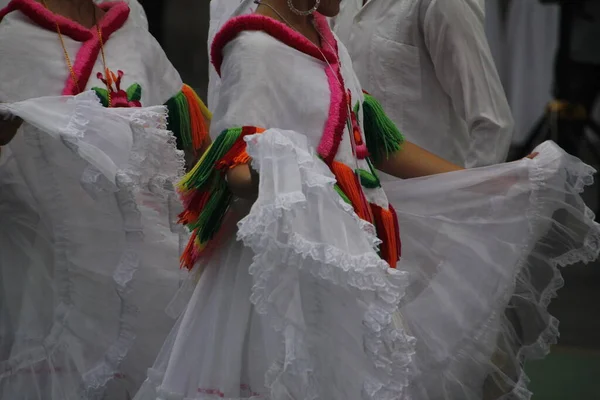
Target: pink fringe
pixel 255 22
pixel 338 114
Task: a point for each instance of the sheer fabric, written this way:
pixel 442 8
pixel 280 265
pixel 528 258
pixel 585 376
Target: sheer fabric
pixel 89 246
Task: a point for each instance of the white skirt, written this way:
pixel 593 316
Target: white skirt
pixel 299 306
pixel 88 248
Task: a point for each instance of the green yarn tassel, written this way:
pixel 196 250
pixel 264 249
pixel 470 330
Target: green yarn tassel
pixel 382 136
pixel 202 172
pixel 179 120
pixel 211 218
pixel 204 177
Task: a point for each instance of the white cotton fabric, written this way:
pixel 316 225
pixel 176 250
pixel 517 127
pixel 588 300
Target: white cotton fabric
pixel 137 12
pixel 429 64
pixel 295 303
pixel 220 12
pixel 25 46
pixel 88 247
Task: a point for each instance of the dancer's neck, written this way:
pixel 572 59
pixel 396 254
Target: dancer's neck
pixel 84 12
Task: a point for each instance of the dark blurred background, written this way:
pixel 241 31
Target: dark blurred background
pixel 181 27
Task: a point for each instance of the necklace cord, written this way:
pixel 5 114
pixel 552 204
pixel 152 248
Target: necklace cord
pixel 68 59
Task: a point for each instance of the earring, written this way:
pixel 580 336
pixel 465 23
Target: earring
pixel 303 13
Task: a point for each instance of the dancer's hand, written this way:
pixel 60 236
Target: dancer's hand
pixel 532 155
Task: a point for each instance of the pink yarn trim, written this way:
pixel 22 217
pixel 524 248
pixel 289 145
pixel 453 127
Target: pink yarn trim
pixel 322 26
pixel 338 112
pixel 9 7
pixel 115 17
pixel 338 115
pixel 280 31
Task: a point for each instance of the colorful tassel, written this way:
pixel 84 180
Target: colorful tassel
pixel 205 194
pixel 385 221
pixel 386 224
pixel 382 136
pixel 397 231
pixel 350 186
pixel 188 120
pixel 179 120
pixel 203 170
pixel 198 125
pixel 203 109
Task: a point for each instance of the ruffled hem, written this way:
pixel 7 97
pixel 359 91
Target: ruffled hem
pixel 555 180
pixel 277 247
pixel 578 177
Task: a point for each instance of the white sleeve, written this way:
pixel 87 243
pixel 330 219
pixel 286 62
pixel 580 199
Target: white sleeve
pixel 220 12
pixel 137 13
pixel 455 38
pixel 256 84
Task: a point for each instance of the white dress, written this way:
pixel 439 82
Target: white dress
pixel 120 320
pixel 87 201
pixel 293 300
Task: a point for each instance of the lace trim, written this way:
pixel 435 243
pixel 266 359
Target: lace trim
pixel 321 177
pixel 389 349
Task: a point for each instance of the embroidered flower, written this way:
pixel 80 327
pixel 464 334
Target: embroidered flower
pixel 113 93
pixel 355 129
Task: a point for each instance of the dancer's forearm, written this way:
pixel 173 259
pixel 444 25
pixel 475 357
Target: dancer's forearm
pixel 243 181
pixel 413 161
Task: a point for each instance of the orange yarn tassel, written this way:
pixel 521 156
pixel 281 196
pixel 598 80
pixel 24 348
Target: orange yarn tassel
pixel 348 182
pixel 397 230
pixel 190 255
pixel 386 224
pixel 198 124
pixel 237 155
